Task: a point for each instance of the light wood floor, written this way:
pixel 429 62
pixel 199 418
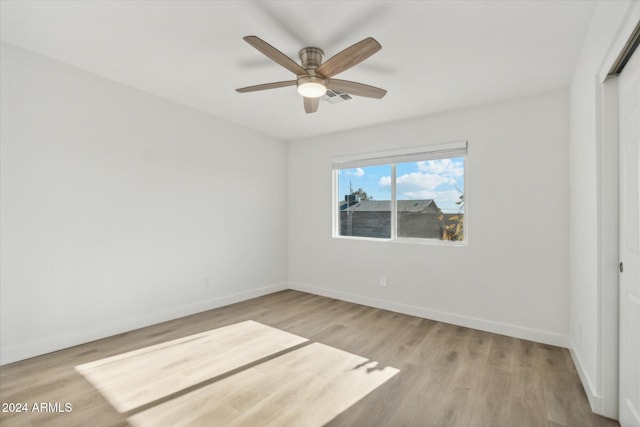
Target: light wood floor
pixel 301 360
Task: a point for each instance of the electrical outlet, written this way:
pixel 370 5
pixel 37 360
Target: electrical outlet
pixel 383 282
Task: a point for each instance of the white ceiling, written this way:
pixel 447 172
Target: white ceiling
pixel 436 55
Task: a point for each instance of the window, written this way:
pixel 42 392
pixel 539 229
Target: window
pixel 415 194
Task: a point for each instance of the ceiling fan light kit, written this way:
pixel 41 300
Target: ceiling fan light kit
pixel 311 87
pixel 313 76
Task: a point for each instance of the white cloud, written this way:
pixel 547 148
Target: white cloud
pixel 445 167
pixel 359 172
pixel 419 181
pixel 416 181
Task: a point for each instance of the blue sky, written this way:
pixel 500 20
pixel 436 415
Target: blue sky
pixel 441 180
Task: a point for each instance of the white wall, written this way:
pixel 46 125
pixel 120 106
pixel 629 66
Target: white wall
pixel 512 278
pixel 121 209
pixel 593 210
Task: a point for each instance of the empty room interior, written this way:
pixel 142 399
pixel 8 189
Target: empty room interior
pixel 345 213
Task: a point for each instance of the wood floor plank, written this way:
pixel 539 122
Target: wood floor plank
pixel 502 353
pixel 526 398
pixel 491 401
pixel 444 375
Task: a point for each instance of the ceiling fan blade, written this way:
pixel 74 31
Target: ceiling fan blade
pixel 266 86
pixel 275 55
pixel 349 57
pixel 311 105
pixel 357 89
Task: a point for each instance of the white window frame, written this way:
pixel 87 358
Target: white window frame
pixel 428 152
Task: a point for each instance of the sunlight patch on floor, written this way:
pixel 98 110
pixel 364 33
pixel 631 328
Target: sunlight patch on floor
pixel 134 379
pixel 308 386
pixel 245 374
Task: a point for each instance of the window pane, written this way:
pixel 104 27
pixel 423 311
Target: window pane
pixel 364 201
pixel 430 199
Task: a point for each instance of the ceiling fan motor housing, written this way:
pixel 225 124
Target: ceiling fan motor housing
pixel 311 57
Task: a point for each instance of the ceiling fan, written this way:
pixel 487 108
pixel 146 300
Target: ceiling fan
pixel 314 77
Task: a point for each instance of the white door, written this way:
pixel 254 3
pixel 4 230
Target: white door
pixel 629 128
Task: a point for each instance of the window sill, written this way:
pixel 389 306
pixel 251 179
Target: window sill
pixel 406 240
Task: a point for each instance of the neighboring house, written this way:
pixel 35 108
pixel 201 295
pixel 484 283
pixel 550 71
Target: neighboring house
pixel 372 218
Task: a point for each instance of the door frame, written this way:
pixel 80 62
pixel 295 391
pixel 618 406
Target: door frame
pixel 608 227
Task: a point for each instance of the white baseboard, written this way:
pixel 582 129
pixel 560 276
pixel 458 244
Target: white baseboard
pixel 441 316
pixel 58 342
pixel 595 399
